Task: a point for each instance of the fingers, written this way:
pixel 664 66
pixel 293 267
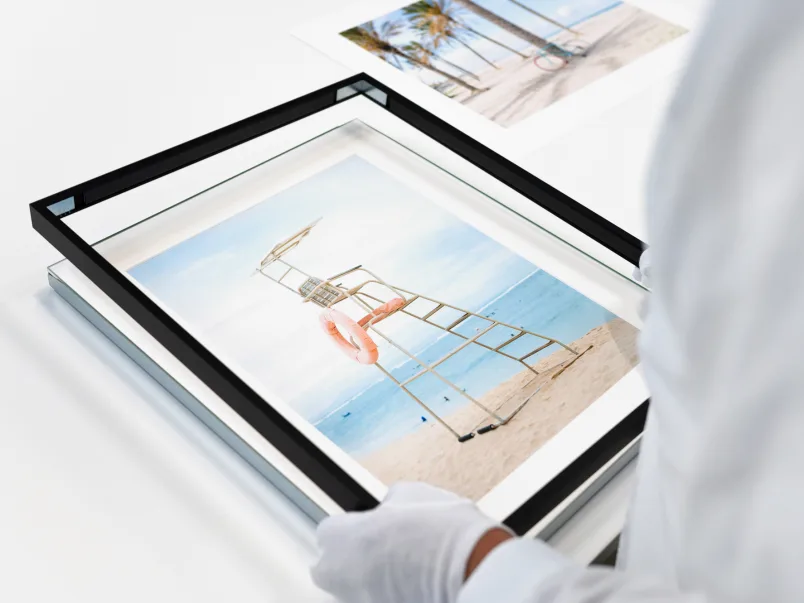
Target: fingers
pixel 330 579
pixel 334 530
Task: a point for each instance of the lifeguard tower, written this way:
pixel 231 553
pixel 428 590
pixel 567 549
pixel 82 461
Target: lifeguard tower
pixel 380 301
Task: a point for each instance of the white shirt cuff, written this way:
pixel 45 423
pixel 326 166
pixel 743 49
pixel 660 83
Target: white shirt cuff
pixel 515 570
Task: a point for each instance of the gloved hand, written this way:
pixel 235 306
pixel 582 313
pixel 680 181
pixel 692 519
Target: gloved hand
pixel 413 548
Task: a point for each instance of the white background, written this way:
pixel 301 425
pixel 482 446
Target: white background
pixel 110 491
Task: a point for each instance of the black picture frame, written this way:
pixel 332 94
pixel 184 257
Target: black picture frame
pixel 47 217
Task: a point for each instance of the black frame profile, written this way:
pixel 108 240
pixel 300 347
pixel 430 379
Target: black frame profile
pixel 47 218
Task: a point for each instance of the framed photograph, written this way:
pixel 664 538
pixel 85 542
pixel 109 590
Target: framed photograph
pixel 515 73
pixel 359 293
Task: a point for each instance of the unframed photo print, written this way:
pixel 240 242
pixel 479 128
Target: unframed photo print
pixel 527 70
pixel 507 59
pixel 394 327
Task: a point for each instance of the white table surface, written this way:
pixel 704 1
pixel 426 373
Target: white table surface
pixel 109 490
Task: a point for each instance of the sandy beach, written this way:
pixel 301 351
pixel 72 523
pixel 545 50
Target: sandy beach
pixel 519 88
pixel 431 454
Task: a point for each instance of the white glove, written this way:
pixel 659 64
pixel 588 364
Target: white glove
pixel 413 548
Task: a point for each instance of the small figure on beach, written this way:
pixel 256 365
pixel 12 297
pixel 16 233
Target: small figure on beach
pixel 446 399
pixel 424 419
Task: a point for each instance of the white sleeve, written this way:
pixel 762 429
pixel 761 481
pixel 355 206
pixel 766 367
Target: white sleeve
pixel 529 571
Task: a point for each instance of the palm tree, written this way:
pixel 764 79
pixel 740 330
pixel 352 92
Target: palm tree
pixel 378 43
pixel 425 55
pixel 439 23
pixel 438 37
pixel 512 28
pixel 544 17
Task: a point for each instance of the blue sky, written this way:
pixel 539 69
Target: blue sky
pixel 367 218
pixel 567 12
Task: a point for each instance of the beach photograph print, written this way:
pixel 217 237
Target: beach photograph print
pixel 417 344
pixel 509 59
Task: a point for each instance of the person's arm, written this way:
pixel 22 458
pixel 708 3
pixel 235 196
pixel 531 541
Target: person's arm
pixel 487 543
pixel 528 571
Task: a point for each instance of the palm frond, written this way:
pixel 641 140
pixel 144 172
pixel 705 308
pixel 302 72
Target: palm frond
pixel 373 39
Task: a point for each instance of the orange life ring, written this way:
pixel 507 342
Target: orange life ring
pixel 366 351
pixel 382 312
